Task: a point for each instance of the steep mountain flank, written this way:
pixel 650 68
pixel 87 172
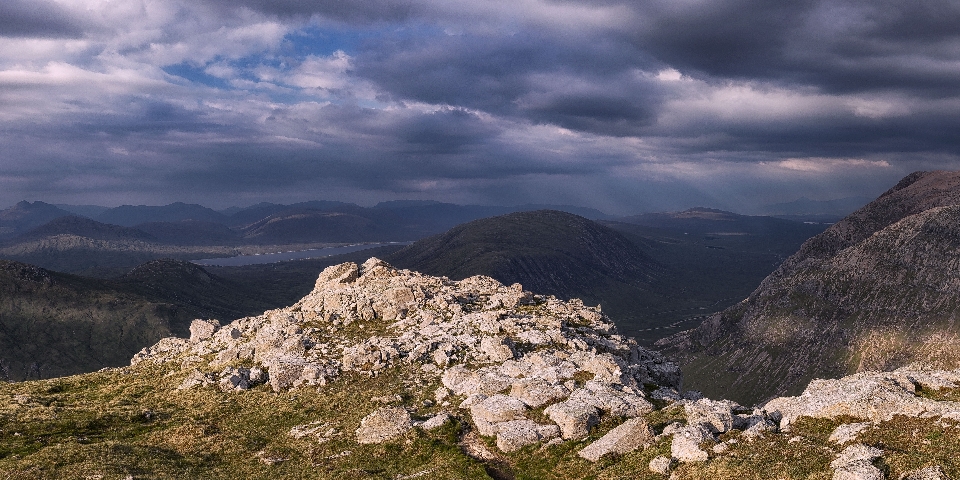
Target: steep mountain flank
pixel 877 290
pixel 308 225
pixel 54 324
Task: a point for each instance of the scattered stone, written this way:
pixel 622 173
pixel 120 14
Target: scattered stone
pixel 661 465
pixel 269 459
pixel 627 437
pixel 575 419
pixel 716 415
pixel 720 448
pixel 686 443
pixel 436 421
pixel 516 434
pixel 847 432
pixel 856 463
pixel 201 329
pixel 384 424
pixel 933 472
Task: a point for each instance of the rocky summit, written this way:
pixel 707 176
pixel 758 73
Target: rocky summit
pixel 496 352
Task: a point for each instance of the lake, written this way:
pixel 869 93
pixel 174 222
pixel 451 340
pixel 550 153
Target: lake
pixel 242 260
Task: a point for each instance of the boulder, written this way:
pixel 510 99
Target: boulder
pixel 536 392
pixel 627 437
pixel 516 434
pixel 384 424
pixel 856 463
pixel 201 329
pixel 496 349
pixel 436 421
pixel 575 419
pixel 608 399
pixel 491 411
pixel 686 443
pixel 661 465
pixel 716 415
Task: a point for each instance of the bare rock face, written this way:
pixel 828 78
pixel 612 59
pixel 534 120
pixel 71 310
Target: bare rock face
pixel 384 424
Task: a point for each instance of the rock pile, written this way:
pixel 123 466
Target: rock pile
pixel 498 351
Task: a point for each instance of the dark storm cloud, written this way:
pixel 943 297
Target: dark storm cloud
pixel 838 45
pixel 36 18
pixel 587 84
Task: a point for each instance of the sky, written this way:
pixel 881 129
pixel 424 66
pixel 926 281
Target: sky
pixel 625 106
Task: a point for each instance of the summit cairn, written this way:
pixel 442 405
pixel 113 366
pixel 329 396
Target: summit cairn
pixel 495 352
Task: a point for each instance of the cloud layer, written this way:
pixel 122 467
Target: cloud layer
pixel 623 106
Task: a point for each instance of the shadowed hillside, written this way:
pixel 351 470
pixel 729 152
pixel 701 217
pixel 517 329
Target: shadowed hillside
pixel 54 324
pixel 877 290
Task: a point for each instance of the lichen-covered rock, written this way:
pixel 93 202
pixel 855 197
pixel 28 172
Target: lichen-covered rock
pixel 575 419
pixel 933 472
pixel 612 399
pixel 856 463
pixel 716 415
pixel 201 329
pixel 685 446
pixel 536 392
pixel 847 432
pixel 384 424
pixel 436 421
pixel 516 434
pixel 661 465
pixel 874 396
pixel 626 437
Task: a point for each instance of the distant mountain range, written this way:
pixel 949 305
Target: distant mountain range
pixel 877 290
pixel 107 241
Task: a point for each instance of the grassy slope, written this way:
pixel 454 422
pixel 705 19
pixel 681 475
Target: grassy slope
pixel 132 422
